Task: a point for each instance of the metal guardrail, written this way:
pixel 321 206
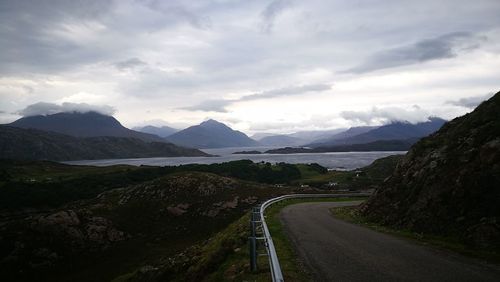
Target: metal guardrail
pixel 274 263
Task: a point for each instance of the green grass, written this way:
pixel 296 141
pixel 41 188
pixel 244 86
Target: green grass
pixel 351 214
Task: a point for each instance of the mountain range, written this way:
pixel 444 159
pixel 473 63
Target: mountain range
pixel 214 134
pixel 281 140
pixel 211 134
pixel 89 124
pixel 298 138
pixel 34 144
pixel 162 131
pixel 392 131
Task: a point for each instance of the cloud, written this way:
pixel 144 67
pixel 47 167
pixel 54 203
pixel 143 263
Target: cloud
pixel 43 108
pixel 211 106
pixel 287 91
pixel 386 115
pixel 271 12
pixel 220 105
pixel 129 64
pixel 470 102
pixel 442 47
pixel 59 36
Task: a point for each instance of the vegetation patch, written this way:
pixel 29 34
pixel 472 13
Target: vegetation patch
pixel 369 177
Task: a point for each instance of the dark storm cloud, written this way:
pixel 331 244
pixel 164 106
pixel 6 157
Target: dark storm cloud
pixel 220 105
pixel 470 102
pixel 442 47
pixel 42 108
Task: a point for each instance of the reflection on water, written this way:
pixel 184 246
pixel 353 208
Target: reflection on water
pixel 343 161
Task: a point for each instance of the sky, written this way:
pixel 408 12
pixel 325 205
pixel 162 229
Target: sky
pixel 259 66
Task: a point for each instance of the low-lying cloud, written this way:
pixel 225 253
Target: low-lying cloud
pixel 221 104
pixel 470 102
pixel 442 47
pixel 43 108
pixel 386 115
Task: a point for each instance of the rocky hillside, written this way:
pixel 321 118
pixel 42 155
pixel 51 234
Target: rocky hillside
pixel 32 144
pixel 449 183
pixel 121 229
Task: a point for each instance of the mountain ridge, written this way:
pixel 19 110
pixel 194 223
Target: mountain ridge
pixel 34 144
pixel 211 134
pixel 393 131
pixel 162 131
pixel 77 124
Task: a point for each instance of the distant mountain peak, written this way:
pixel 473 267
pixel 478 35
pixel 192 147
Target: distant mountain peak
pixel 162 131
pixel 212 122
pixel 211 134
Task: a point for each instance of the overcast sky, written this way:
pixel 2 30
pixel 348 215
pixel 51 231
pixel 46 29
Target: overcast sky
pixel 259 66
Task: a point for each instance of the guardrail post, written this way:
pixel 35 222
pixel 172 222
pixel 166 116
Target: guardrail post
pixel 253 254
pixel 254 219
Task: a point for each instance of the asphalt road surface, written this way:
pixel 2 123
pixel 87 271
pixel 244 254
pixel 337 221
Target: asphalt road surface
pixel 334 250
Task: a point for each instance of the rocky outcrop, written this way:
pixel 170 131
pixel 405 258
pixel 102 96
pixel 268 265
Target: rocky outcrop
pixel 179 207
pixel 81 231
pixel 448 183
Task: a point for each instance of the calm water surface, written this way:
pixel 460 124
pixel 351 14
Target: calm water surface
pixel 340 161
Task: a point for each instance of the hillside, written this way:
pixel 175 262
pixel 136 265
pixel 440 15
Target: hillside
pixel 449 183
pixel 121 229
pixel 89 124
pixel 32 144
pixel 162 131
pixel 211 134
pixel 392 131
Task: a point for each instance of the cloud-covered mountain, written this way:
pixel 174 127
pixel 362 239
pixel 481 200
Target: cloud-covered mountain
pixel 89 124
pixel 353 131
pixel 34 144
pixel 211 134
pixel 392 131
pixel 162 131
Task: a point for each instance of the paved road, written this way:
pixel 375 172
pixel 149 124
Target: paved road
pixel 334 250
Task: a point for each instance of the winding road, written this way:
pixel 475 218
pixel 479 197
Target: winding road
pixel 334 250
